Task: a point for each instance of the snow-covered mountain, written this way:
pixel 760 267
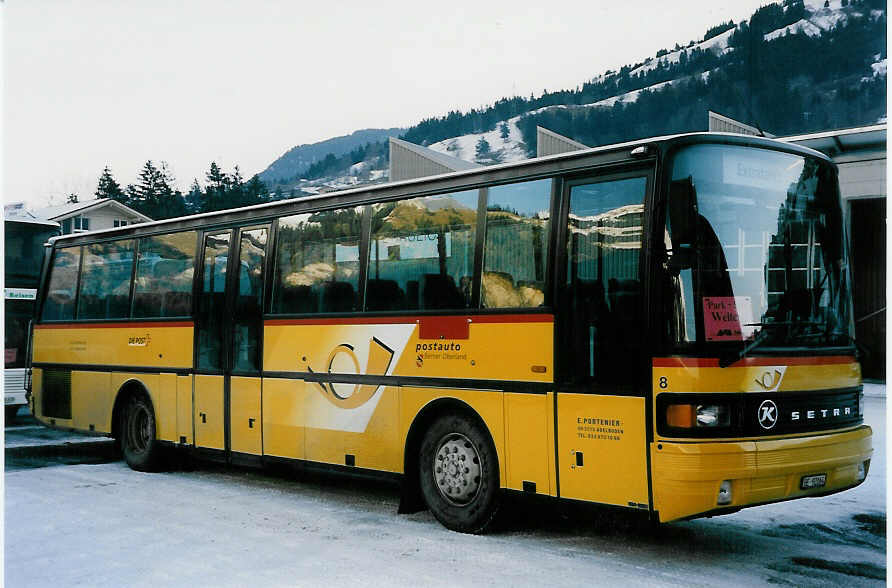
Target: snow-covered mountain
pixel 800 41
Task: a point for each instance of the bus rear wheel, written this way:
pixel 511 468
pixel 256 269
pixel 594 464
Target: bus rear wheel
pixel 459 473
pixel 138 443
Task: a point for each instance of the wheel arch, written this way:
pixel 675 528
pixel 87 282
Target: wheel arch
pixel 411 499
pixel 129 388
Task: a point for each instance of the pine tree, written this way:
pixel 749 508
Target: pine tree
pixel 170 200
pixel 503 131
pixel 483 148
pixel 108 187
pixel 145 196
pixel 217 187
pixel 72 198
pixel 194 198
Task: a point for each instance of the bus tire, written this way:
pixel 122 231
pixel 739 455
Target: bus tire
pixel 459 473
pixel 138 442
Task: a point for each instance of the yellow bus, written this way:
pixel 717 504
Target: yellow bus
pixel 662 326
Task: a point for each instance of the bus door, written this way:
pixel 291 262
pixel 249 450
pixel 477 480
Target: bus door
pixel 600 384
pixel 228 341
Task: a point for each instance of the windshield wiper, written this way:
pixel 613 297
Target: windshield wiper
pixel 731 358
pixel 761 338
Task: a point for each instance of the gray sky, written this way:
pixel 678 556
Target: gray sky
pixel 93 83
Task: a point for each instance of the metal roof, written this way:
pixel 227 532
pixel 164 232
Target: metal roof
pixel 31 221
pixel 453 163
pixel 842 140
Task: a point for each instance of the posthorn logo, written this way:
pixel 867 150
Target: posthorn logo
pixel 767 414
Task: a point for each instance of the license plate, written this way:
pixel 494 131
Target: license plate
pixel 809 482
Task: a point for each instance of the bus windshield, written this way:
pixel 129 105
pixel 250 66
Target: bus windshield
pixel 756 250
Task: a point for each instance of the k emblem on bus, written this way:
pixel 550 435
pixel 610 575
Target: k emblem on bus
pixel 767 414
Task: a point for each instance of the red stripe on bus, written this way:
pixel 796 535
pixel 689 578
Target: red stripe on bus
pixel 122 325
pixel 689 362
pixel 396 320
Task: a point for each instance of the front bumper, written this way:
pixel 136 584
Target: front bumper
pixel 687 475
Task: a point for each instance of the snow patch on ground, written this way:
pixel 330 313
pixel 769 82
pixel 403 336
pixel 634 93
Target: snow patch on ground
pixel 717 44
pixel 513 148
pixel 827 18
pixel 209 526
pixel 504 149
pixel 800 26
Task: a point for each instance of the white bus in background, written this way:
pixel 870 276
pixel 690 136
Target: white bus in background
pixel 23 246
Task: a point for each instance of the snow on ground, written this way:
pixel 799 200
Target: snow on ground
pixel 826 18
pixel 717 44
pixel 465 147
pixel 108 525
pixel 800 26
pixel 512 148
pixel 879 68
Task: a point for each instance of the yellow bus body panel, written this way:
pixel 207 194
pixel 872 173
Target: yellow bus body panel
pixel 528 450
pixel 283 417
pixel 91 401
pixel 370 421
pixel 332 433
pixel 687 473
pixel 520 351
pixel 746 378
pixel 209 427
pixel 246 432
pixel 184 409
pixel 155 344
pixel 607 435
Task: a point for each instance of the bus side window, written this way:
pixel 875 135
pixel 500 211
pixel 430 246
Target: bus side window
pixel 164 271
pixel 421 253
pixel 602 297
pixel 105 284
pixel 59 302
pixel 317 262
pixel 516 246
pixel 247 315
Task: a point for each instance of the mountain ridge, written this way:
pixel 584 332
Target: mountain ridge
pixel 790 68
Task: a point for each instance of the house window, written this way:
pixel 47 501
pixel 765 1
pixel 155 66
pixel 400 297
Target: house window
pixel 81 223
pixel 66 226
pixel 120 223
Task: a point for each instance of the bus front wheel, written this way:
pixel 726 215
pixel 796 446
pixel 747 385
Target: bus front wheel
pixel 459 473
pixel 138 443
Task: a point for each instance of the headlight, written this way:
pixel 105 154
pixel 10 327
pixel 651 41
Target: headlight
pixel 689 416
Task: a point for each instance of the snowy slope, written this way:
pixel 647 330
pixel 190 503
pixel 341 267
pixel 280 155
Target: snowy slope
pixel 717 44
pixel 819 20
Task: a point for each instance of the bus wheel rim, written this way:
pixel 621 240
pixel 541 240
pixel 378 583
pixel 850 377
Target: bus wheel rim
pixel 457 469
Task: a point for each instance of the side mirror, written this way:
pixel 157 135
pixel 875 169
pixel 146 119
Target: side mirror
pixel 683 211
pixel 683 216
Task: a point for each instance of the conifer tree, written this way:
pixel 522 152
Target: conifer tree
pixel 109 187
pixel 483 148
